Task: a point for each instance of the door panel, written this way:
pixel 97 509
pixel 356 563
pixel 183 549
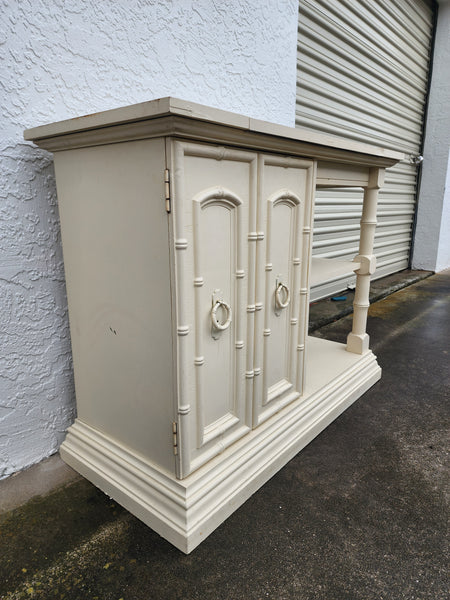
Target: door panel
pixel 282 246
pixel 214 205
pixel 284 219
pixel 217 220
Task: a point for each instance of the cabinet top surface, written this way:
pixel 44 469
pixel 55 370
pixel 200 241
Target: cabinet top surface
pixel 166 107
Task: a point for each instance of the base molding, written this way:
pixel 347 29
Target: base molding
pixel 186 511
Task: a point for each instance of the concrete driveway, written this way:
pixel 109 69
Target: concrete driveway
pixel 360 514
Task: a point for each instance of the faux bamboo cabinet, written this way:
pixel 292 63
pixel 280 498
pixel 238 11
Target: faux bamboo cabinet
pixel 187 239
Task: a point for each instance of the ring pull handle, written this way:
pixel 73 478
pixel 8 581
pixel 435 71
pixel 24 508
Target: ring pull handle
pixel 282 296
pixel 221 326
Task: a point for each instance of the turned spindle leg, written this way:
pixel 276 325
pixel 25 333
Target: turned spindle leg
pixel 358 340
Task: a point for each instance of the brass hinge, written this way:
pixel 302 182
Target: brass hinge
pixel 175 437
pixel 167 189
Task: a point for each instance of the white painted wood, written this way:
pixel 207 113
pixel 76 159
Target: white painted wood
pixel 134 117
pixel 171 116
pixel 115 241
pixel 186 511
pixel 324 270
pixel 214 202
pixel 166 234
pixel 341 175
pixel 283 239
pixel 358 339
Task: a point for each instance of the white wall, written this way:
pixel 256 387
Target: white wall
pixel 443 253
pixel 432 237
pixel 65 58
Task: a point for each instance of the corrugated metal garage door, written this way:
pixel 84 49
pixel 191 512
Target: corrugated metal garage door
pixel 362 73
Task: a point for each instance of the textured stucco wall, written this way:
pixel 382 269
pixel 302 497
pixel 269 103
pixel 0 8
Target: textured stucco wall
pixel 65 58
pixel 432 236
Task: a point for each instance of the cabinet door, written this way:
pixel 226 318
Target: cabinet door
pixel 214 206
pixel 283 256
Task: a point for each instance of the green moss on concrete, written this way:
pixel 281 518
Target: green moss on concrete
pixel 39 534
pixel 323 312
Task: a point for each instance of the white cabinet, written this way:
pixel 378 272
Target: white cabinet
pixel 241 249
pixel 187 237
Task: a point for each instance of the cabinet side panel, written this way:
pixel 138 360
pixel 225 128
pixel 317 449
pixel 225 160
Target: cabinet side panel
pixel 115 243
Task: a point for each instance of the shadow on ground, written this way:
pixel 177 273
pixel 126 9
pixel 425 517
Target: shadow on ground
pixel 360 514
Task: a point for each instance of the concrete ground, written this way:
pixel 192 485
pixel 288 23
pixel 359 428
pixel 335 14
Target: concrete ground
pixel 360 514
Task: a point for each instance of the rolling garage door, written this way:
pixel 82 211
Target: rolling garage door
pixel 362 73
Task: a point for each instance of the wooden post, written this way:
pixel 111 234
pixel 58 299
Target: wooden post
pixel 358 339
